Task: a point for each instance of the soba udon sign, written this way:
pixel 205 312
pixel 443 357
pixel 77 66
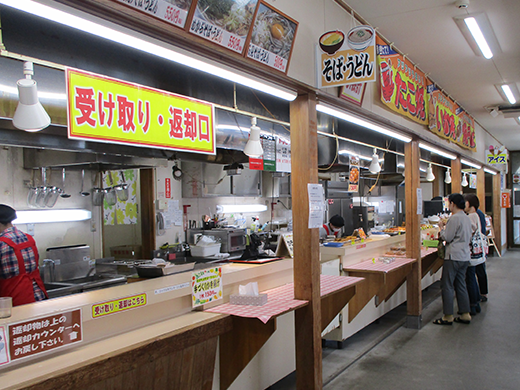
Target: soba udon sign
pixel 350 62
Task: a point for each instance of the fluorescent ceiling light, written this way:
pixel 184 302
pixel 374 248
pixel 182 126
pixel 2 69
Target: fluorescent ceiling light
pixel 48 216
pixel 437 151
pixel 509 93
pixel 41 95
pixel 469 163
pixel 361 157
pixel 81 21
pixel 241 208
pixel 361 122
pixel 490 171
pixel 478 36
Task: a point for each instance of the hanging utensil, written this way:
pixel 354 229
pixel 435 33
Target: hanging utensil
pixel 83 193
pixel 33 192
pixel 52 194
pixel 63 192
pixel 42 190
pixel 98 193
pixel 110 195
pixel 122 189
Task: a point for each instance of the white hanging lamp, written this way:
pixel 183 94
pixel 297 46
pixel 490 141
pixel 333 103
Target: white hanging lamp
pixel 254 146
pixel 464 182
pixel 447 177
pixel 30 114
pixel 374 165
pixel 429 173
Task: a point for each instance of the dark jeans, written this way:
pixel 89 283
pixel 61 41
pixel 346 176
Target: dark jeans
pixel 471 283
pixel 482 278
pixel 454 281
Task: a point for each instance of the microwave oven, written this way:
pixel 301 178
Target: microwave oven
pixel 231 239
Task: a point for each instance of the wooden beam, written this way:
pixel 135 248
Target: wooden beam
pixel 240 345
pixel 456 176
pixel 147 212
pixel 413 230
pixel 304 170
pixel 497 212
pixel 481 189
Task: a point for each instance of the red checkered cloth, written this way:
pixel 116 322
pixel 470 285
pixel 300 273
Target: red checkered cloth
pixel 281 300
pixel 379 266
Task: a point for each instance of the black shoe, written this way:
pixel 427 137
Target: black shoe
pixel 483 299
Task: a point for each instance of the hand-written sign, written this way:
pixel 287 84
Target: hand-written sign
pixel 118 305
pixel 104 109
pixel 44 334
pixel 206 286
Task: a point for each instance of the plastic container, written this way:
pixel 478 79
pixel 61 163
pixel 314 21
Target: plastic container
pixel 205 251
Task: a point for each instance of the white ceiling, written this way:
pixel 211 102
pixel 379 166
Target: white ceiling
pixel 425 31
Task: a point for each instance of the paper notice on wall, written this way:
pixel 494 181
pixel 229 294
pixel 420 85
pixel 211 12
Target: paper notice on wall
pixel 175 212
pixel 316 205
pixel 4 356
pixel 419 201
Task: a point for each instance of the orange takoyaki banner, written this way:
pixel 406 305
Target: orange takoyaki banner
pixel 403 87
pixel 449 121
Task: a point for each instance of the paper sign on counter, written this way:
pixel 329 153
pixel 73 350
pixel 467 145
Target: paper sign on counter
pixel 206 286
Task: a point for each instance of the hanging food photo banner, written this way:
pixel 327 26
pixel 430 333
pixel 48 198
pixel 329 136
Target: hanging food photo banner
pixel 103 109
pixel 353 93
pixel 353 64
pixel 272 38
pixel 353 178
pixel 497 155
pixel 403 87
pixel 170 11
pixel 449 121
pixel 224 22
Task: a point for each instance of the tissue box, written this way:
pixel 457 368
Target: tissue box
pixel 255 300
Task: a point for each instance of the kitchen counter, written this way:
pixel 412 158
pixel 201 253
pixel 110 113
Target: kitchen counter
pixel 168 306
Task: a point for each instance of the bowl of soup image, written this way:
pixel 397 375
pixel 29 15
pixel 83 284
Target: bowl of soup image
pixel 331 41
pixel 360 37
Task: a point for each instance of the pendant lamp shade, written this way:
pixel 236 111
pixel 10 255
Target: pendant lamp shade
pixel 447 177
pixel 464 182
pixel 254 146
pixel 374 165
pixel 429 173
pixel 30 114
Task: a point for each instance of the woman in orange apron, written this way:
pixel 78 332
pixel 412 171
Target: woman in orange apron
pixel 19 274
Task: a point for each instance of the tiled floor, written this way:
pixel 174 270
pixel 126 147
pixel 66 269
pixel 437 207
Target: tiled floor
pixel 482 355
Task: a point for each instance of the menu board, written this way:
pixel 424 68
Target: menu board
pixel 353 93
pixel 224 22
pixel 272 38
pixel 283 155
pixel 171 11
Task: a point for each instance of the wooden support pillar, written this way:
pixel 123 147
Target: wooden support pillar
pixel 481 189
pixel 304 170
pixel 438 183
pixel 456 176
pixel 413 235
pixel 497 212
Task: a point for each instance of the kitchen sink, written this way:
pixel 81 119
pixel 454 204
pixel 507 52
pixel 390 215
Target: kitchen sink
pixel 88 283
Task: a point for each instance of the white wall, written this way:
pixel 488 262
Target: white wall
pixel 14 181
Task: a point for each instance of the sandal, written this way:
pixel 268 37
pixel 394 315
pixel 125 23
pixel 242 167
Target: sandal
pixel 461 321
pixel 440 321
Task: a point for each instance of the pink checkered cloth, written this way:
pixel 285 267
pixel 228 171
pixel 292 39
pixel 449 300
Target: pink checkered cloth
pixel 280 300
pixel 379 266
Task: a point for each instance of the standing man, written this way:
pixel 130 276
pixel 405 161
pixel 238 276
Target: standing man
pixel 19 274
pixel 334 226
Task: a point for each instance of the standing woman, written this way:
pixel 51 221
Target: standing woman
pixel 472 204
pixel 457 235
pixel 480 269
